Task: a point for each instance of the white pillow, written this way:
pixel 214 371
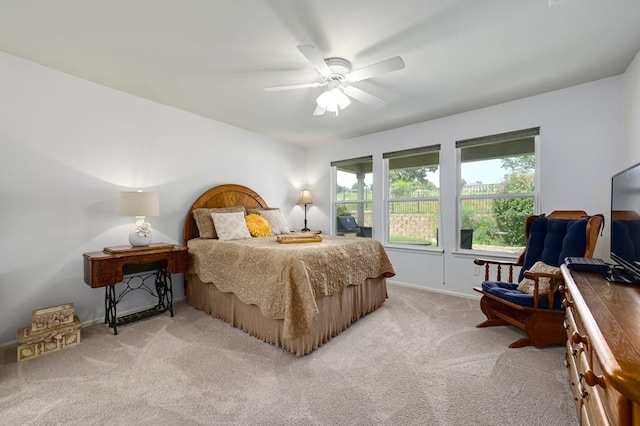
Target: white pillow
pixel 276 220
pixel 230 226
pixel 527 285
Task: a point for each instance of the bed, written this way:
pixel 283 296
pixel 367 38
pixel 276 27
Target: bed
pixel 295 296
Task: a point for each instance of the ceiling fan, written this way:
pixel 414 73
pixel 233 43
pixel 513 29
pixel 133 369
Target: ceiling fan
pixel 337 77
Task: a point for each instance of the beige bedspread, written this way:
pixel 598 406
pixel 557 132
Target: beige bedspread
pixel 284 280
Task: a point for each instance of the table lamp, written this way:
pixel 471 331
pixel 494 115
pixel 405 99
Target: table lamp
pixel 139 204
pixel 305 198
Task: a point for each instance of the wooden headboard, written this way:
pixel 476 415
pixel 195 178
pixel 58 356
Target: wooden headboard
pixel 220 196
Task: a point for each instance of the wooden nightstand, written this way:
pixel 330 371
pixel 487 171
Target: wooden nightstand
pixel 132 266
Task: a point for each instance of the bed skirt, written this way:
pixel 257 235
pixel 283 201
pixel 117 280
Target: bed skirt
pixel 336 313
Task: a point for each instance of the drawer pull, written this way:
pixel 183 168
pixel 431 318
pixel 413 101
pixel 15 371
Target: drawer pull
pixel 567 304
pixel 592 379
pixel 578 338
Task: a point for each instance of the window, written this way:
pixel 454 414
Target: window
pixel 354 196
pixel 413 195
pixel 496 190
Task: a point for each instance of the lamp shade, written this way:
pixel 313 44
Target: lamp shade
pixel 305 197
pixel 139 204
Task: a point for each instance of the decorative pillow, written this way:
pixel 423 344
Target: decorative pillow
pixel 205 222
pixel 527 285
pixel 276 220
pixel 230 226
pixel 258 225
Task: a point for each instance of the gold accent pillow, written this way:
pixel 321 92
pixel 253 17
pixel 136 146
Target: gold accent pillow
pixel 204 222
pixel 527 285
pixel 276 219
pixel 258 225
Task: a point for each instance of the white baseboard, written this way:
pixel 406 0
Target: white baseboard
pixel 434 290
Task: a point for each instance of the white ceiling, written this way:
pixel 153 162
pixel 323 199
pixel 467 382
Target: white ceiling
pixel 214 57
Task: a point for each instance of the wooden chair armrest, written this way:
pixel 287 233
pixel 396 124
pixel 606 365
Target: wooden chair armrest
pixel 533 275
pixel 495 262
pixel 499 264
pixel 555 280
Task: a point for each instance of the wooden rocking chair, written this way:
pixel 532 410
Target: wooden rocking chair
pixel 550 239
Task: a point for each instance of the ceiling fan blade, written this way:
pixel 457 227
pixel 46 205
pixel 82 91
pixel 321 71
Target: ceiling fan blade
pixel 364 97
pixel 294 86
pixel 312 55
pixel 319 111
pixel 382 67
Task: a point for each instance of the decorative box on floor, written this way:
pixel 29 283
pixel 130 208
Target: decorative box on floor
pixel 51 329
pixel 54 316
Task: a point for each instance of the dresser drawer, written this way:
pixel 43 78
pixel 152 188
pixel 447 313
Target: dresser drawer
pixel 602 403
pixel 603 351
pixel 583 419
pixel 591 396
pixel 570 363
pixel 619 409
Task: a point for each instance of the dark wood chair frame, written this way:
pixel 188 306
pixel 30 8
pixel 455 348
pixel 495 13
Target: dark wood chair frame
pixel 543 326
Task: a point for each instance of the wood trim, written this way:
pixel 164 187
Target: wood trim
pixel 151 248
pixel 228 195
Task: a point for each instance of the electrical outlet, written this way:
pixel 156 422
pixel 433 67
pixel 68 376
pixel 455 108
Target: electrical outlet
pixel 476 271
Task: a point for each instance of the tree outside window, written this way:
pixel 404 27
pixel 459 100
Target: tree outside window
pixel 497 190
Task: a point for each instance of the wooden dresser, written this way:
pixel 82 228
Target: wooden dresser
pixel 603 348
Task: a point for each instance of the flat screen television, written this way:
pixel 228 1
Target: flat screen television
pixel 625 225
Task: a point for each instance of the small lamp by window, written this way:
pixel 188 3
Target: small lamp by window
pixel 305 198
pixel 139 204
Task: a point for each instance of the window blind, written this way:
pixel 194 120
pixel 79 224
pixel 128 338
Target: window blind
pixel 415 157
pixel 510 144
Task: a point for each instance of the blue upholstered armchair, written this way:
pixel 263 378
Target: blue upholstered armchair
pixel 538 312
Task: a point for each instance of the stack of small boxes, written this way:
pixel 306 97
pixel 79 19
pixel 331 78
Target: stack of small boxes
pixel 51 329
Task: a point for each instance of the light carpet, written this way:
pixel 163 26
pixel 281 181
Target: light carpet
pixel 418 360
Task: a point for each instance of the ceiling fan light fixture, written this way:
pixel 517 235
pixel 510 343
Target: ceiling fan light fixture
pixel 333 99
pixel 336 75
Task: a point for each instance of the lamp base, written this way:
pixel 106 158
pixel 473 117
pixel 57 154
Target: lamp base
pixel 137 240
pixel 305 229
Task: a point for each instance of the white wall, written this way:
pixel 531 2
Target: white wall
pixel 632 113
pixel 68 147
pixel 581 147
